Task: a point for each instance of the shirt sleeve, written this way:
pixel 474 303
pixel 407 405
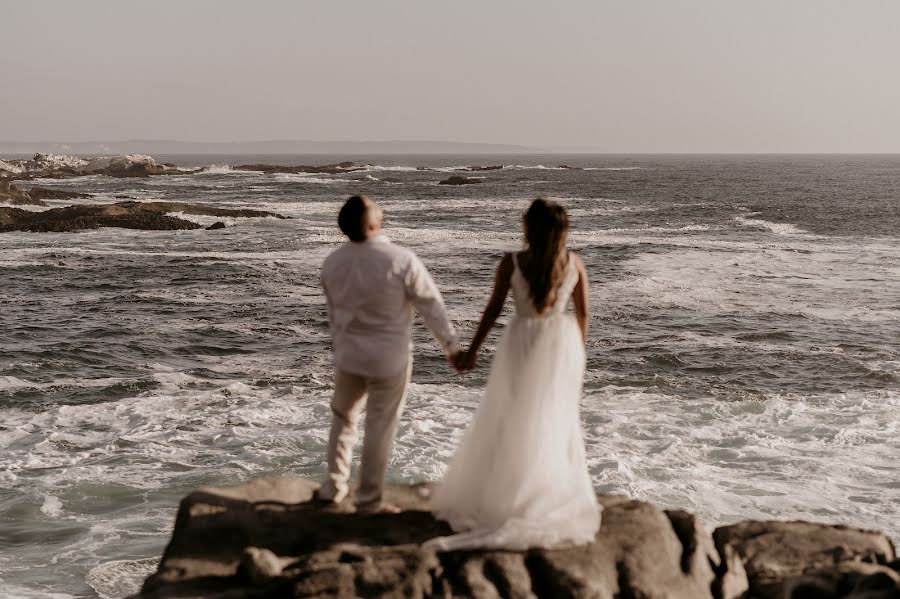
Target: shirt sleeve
pixel 424 295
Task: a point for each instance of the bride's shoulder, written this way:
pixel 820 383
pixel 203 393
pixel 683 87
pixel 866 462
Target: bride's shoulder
pixel 576 262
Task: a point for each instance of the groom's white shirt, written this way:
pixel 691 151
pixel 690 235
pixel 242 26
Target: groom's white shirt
pixel 373 288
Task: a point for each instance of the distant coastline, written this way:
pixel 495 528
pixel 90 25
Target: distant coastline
pixel 150 146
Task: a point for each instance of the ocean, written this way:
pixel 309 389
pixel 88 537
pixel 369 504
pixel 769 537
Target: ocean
pixel 743 361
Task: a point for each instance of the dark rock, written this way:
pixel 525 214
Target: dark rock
pixel 269 539
pixel 485 168
pixel 215 226
pixel 128 215
pixel 569 168
pixel 10 194
pixel 789 559
pixel 46 193
pixel 460 180
pixel 331 169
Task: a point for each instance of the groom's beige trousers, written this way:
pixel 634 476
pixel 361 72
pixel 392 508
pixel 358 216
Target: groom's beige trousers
pixel 384 398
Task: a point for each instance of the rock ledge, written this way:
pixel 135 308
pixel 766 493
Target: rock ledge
pixel 268 538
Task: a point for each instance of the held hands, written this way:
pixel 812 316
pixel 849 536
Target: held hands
pixel 464 360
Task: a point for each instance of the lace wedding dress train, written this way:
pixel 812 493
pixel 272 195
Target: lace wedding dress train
pixel 519 479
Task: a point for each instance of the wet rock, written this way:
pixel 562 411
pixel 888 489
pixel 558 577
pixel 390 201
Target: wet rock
pixel 460 180
pixel 10 194
pixel 331 169
pixel 268 538
pixel 129 215
pixel 46 193
pixel 216 226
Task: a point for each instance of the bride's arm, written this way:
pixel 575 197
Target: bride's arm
pixel 580 298
pixel 491 312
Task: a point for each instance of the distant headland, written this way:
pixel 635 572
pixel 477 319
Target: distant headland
pixel 163 146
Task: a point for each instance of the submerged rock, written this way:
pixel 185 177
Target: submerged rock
pixel 128 215
pixel 331 169
pixel 269 538
pixel 460 180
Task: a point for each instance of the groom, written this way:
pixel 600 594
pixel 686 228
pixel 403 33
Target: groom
pixel 372 287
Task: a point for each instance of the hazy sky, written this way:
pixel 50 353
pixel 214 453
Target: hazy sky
pixel 618 76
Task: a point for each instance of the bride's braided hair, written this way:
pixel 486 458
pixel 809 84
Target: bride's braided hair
pixel 546 228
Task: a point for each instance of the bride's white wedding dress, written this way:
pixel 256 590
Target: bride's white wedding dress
pixel 519 478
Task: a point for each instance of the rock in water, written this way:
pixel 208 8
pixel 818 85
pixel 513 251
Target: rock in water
pixel 216 226
pixel 56 166
pixel 10 194
pixel 460 180
pixel 127 165
pixel 329 169
pixel 46 193
pixel 269 539
pixel 128 215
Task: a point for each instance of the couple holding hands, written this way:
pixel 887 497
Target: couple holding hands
pixel 519 478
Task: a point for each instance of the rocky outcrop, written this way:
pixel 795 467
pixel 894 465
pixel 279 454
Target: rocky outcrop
pixel 127 165
pixel 802 559
pixel 331 169
pixel 59 166
pixel 460 180
pixel 10 194
pixel 128 215
pixel 269 538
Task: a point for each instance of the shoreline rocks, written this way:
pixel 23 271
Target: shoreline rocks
pixel 153 216
pixel 270 538
pixel 61 166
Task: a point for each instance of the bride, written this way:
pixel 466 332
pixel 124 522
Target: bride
pixel 519 479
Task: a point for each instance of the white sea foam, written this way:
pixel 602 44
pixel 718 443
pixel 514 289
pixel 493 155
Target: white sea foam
pixel 395 168
pixel 777 228
pixel 52 506
pixel 612 168
pixel 121 578
pixel 536 167
pixel 306 178
pixel 223 169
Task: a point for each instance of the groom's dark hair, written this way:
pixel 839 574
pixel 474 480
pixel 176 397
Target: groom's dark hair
pixel 353 218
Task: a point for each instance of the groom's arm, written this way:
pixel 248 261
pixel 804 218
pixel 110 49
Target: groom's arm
pixel 424 295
